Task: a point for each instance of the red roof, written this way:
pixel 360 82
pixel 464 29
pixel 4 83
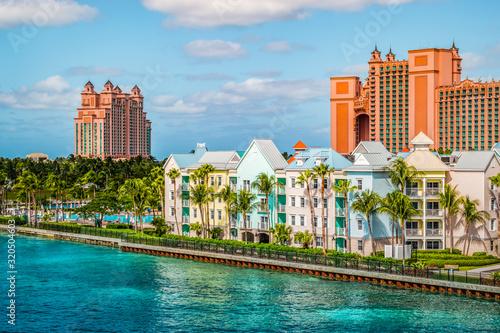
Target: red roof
pixel 292 158
pixel 405 150
pixel 299 145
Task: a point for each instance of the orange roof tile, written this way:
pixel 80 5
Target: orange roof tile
pixel 299 145
pixel 405 150
pixel 292 158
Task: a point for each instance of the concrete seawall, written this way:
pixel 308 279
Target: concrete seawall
pixel 402 281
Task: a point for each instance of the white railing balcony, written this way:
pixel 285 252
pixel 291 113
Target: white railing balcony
pixel 342 249
pixel 339 194
pixel 262 209
pixel 281 208
pixel 245 187
pixel 413 192
pixel 263 226
pixel 414 232
pixel 185 203
pixel 339 211
pixel 434 212
pixel 281 190
pixel 341 231
pixel 432 191
pixel 233 222
pixel 434 232
pixel 185 219
pixel 233 187
pixel 185 186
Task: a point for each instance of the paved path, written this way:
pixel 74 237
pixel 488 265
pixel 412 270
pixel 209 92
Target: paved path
pixel 486 269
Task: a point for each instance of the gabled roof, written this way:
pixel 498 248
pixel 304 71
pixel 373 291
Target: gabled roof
pixel 369 162
pixel 328 156
pixel 372 147
pixel 220 160
pixel 270 153
pixel 425 160
pixel 185 160
pixel 474 160
pixel 108 83
pixel 299 145
pixel 421 139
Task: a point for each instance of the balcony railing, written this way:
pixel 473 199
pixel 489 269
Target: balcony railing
pixel 245 187
pixel 264 226
pixel 339 211
pixel 339 194
pixel 434 212
pixel 281 209
pixel 185 219
pixel 185 203
pixel 233 222
pixel 341 231
pixel 413 192
pixel 342 249
pixel 233 187
pixel 433 232
pixel 281 190
pixel 432 191
pixel 414 232
pixel 262 209
pixel 185 186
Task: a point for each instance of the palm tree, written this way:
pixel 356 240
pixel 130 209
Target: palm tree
pixel 196 227
pixel 281 233
pixel 305 177
pixel 205 170
pixel 27 184
pixel 90 178
pixel 227 195
pixel 53 183
pixel 495 180
pixel 405 211
pixel 173 174
pixel 367 203
pixel 345 187
pixel 265 184
pixel 401 174
pixel 389 205
pixel 450 200
pixel 472 216
pixel 244 204
pixel 199 195
pixel 323 171
pixel 305 238
pixel 137 192
pixel 3 180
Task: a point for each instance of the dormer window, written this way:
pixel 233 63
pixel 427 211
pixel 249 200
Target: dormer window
pixel 300 162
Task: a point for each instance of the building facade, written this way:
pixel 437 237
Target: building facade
pixel 401 98
pixel 112 124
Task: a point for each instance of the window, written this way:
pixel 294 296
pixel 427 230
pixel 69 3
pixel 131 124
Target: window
pixel 325 183
pixel 492 187
pixel 171 195
pixel 212 214
pixel 432 205
pixel 219 200
pixel 195 213
pixel 433 245
pixel 263 204
pixel 325 221
pixel 292 219
pixel 315 219
pixel 172 211
pixel 292 182
pixel 212 181
pixel 359 183
pixel 246 184
pixel 315 202
pixel 415 204
pixel 414 244
pixel 296 241
pixel 263 222
pixel 247 220
pixel 319 241
pixel 302 202
pixel 493 204
pixel 432 225
pixel 302 220
pixel 493 225
pixel 292 201
pixel 219 214
pixel 325 203
pixel 219 180
pixel 491 246
pixel 360 245
pixel 173 227
pixel 315 183
pixel 171 181
pixel 411 224
pixel 360 224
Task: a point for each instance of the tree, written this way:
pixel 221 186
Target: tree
pixel 389 205
pixel 196 227
pixel 367 203
pixel 161 227
pixel 215 233
pixel 28 184
pixel 244 204
pixel 405 211
pixel 345 187
pixel 305 238
pixel 100 206
pixel 305 177
pixel 265 184
pixel 54 184
pixel 401 174
pixel 227 195
pixel 450 200
pixel 472 216
pixel 205 170
pixel 495 181
pixel 137 192
pixel 323 171
pixel 281 233
pixel 199 195
pixel 90 178
pixel 173 174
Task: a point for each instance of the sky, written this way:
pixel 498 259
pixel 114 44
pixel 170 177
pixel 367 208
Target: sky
pixel 221 72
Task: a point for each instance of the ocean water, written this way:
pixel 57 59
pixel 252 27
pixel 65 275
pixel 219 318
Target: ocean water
pixel 71 287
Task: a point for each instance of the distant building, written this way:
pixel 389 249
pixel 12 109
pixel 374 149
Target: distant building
pixel 38 157
pixel 112 124
pixel 401 98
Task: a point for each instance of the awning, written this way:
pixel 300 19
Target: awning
pixel 185 228
pixel 234 231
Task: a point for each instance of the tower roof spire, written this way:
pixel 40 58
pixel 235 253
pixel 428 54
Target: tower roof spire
pixel 453 47
pixel 376 50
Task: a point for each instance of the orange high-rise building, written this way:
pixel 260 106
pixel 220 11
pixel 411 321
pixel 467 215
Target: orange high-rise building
pixel 400 98
pixel 112 124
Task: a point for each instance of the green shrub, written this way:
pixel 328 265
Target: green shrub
pixel 119 226
pixel 473 262
pixel 478 254
pixel 18 220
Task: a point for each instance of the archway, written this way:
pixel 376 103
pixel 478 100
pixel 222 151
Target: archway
pixel 363 127
pixel 248 236
pixel 263 238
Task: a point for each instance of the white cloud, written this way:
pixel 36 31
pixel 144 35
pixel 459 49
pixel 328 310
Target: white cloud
pixel 271 72
pixel 44 13
pixel 205 14
pixel 284 47
pixel 356 70
pixel 53 93
pixel 471 61
pixel 179 107
pixel 98 70
pixel 163 100
pixel 214 98
pixel 214 49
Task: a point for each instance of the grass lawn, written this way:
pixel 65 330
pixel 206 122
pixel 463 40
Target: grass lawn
pixel 468 268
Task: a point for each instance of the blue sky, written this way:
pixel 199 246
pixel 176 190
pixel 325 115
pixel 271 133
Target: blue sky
pixel 221 72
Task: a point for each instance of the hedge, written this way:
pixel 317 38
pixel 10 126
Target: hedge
pixel 472 262
pixel 6 219
pixel 119 226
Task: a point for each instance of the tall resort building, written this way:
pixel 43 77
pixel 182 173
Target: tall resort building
pixel 401 98
pixel 112 124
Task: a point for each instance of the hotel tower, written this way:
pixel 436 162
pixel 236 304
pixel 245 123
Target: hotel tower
pixel 401 98
pixel 112 124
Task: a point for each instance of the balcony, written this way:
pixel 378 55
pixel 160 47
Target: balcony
pixel 281 209
pixel 233 187
pixel 281 190
pixel 185 186
pixel 339 211
pixel 245 187
pixel 434 212
pixel 342 249
pixel 413 192
pixel 432 192
pixel 185 219
pixel 434 232
pixel 341 231
pixel 233 222
pixel 414 232
pixel 263 226
pixel 262 209
pixel 185 203
pixel 339 194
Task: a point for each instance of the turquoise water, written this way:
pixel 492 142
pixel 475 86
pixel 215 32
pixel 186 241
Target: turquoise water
pixel 72 287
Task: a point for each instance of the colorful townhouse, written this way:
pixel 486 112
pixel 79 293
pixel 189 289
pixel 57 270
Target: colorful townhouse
pixel 261 156
pixel 471 175
pixel 298 206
